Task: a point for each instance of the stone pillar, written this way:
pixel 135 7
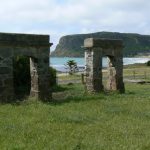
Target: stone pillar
pixel 119 74
pixel 93 58
pixel 40 79
pixel 45 93
pixel 6 75
pixel 41 75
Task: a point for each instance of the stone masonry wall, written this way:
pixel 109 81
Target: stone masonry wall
pixel 93 70
pixel 37 48
pixel 6 74
pixel 95 50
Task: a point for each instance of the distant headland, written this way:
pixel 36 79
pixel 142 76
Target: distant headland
pixel 134 44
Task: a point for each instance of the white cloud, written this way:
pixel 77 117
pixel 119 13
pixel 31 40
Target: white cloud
pixel 61 17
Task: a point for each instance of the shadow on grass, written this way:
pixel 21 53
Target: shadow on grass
pixel 59 88
pixel 20 95
pixel 16 101
pixel 72 93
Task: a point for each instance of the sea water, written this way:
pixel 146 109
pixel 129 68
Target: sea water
pixel 59 63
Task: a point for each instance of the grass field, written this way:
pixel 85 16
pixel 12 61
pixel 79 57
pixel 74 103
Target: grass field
pixel 101 122
pixel 77 121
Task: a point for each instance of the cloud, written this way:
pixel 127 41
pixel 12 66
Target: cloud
pixel 61 17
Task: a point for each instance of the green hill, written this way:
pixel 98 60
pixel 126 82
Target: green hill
pixel 70 45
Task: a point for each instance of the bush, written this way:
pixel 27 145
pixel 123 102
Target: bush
pixel 148 63
pixel 53 81
pixel 22 78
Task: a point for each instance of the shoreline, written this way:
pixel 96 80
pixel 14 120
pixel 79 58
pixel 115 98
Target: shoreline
pixel 59 63
pixel 104 69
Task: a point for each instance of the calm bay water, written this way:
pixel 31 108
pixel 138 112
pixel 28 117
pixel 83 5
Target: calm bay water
pixel 59 63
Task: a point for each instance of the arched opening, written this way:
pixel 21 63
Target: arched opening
pixel 109 74
pixel 21 76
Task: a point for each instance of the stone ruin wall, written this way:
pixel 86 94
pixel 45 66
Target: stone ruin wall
pixel 95 49
pixel 37 48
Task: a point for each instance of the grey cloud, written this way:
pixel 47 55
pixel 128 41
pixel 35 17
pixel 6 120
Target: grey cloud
pixel 74 16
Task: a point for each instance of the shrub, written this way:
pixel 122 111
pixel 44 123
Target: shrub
pixel 22 78
pixel 72 66
pixel 53 81
pixel 148 63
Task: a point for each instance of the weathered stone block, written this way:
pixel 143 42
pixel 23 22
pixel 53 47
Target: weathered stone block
pixel 5 70
pixel 5 52
pixel 8 81
pixel 102 43
pixel 1 83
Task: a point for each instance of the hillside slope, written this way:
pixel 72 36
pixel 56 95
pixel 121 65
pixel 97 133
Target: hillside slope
pixel 70 45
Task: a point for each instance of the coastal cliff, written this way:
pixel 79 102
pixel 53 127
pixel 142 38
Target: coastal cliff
pixel 134 44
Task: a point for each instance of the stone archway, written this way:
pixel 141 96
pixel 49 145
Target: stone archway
pixel 111 71
pixel 37 47
pixel 95 50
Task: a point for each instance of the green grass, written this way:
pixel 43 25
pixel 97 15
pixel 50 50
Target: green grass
pixel 137 71
pixel 105 121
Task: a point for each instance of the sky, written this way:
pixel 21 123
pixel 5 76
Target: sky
pixel 63 17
